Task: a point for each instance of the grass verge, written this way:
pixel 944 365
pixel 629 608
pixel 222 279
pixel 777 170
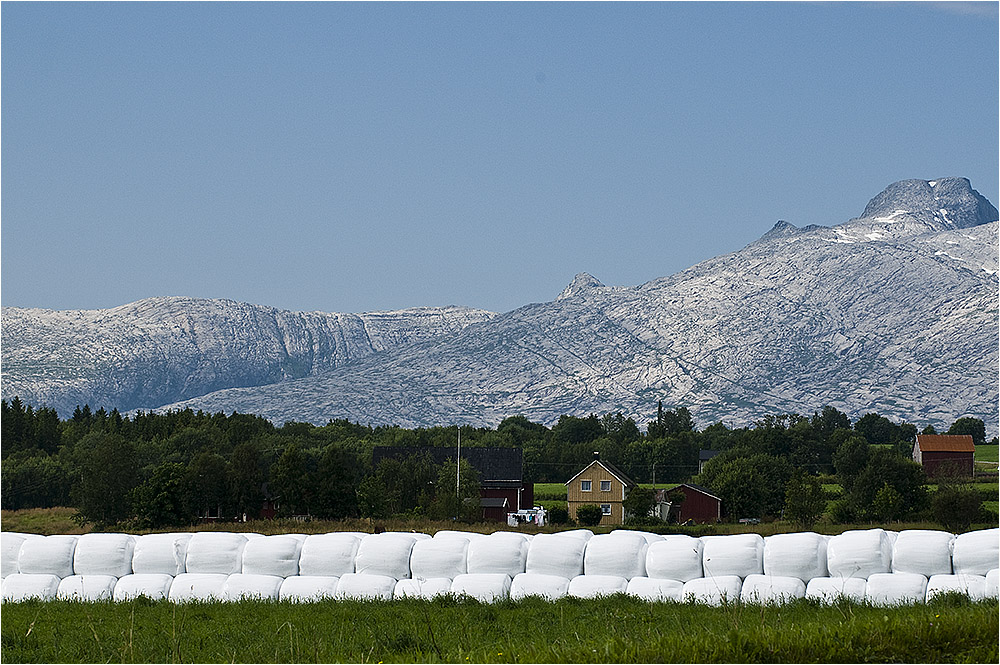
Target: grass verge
pixel 616 629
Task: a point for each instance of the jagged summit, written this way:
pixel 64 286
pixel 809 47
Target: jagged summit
pixel 580 285
pixel 946 203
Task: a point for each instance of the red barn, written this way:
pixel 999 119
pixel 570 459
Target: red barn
pixel 939 452
pixel 699 505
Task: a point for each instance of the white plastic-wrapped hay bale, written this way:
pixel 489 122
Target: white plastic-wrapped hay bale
pixel 88 588
pixel 18 587
pixel 549 587
pixel 161 553
pixel 657 590
pixel 859 553
pixel 922 551
pixel 993 583
pixel 741 554
pixel 48 555
pixel 155 586
pixel 409 534
pixel 676 557
pixel 650 538
pixel 362 586
pixel 771 589
pixel 244 586
pixel 188 587
pixel 715 591
pixel 584 534
pixel 977 552
pixel 616 555
pixel 328 554
pixel 215 552
pixel 10 546
pixel 419 587
pixel 973 586
pixel 801 555
pixel 439 557
pixel 465 535
pixel 385 554
pixel 308 588
pixel 595 586
pixel 500 552
pixel 896 588
pixel 104 554
pixel 556 554
pixel 831 589
pixel 272 555
pixel 484 587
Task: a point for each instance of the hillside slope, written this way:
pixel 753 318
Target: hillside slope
pixel 895 312
pixel 161 350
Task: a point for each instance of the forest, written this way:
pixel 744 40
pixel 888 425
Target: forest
pixel 152 470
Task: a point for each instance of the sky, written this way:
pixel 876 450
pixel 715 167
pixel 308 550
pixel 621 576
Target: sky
pixel 350 157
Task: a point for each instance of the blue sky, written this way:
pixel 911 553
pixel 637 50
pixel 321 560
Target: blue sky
pixel 357 157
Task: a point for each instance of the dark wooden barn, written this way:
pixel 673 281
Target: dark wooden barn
pixel 699 505
pixel 945 453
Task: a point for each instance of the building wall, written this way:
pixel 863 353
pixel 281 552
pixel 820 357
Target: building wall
pixel 932 461
pixel 595 473
pixel 698 506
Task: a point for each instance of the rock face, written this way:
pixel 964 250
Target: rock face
pixel 948 203
pixel 894 312
pixel 162 350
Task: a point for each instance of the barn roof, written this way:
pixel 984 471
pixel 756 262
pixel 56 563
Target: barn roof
pixel 703 490
pixel 945 443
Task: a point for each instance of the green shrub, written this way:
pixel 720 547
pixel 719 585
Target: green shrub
pixel 956 507
pixel 558 515
pixel 589 514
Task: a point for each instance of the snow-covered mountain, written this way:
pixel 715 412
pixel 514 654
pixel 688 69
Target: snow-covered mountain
pixel 161 350
pixel 894 312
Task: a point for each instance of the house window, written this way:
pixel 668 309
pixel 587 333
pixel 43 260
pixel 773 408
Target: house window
pixel 605 508
pixel 605 485
pixel 585 485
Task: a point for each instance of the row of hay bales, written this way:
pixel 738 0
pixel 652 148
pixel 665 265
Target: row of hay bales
pixel 879 566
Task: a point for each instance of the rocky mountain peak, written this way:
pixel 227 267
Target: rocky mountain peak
pixel 581 284
pixel 946 203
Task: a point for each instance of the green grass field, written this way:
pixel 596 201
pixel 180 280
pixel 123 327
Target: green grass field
pixel 987 454
pixel 617 629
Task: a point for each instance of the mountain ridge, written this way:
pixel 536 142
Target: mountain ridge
pixel 894 313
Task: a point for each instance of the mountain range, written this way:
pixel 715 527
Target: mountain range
pixel 894 312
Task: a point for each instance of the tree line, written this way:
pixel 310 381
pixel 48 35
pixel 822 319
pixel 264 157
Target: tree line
pixel 152 469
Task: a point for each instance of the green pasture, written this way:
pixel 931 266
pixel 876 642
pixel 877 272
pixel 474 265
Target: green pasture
pixel 987 454
pixel 607 630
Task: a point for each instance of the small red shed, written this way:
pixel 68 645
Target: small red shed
pixel 699 505
pixel 940 452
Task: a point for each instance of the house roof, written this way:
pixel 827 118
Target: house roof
pixel 946 443
pixel 495 465
pixel 611 468
pixel 704 455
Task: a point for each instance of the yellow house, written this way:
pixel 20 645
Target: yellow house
pixel 601 484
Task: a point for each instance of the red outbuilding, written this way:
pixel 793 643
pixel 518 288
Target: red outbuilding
pixel 945 453
pixel 699 505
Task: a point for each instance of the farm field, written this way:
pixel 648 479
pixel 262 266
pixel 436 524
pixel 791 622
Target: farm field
pixel 615 629
pixel 987 453
pixel 50 521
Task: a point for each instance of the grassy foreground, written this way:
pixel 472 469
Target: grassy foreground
pixel 616 629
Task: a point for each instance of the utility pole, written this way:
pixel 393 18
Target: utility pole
pixel 458 469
